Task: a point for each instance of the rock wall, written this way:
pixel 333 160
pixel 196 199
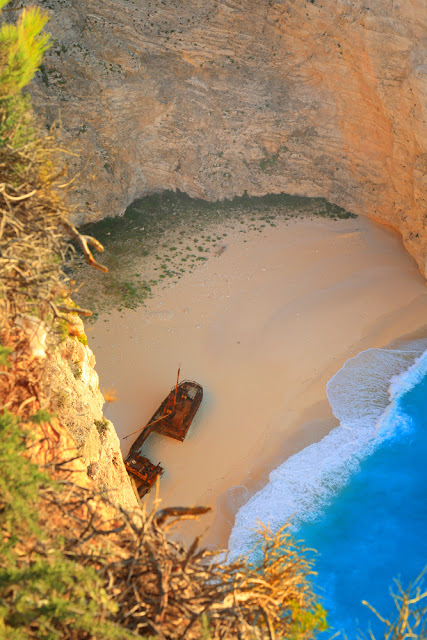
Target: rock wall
pixel 311 97
pixel 71 388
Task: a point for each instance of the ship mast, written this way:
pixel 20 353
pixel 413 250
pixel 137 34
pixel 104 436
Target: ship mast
pixel 176 387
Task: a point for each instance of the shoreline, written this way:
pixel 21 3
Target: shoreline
pixel 262 327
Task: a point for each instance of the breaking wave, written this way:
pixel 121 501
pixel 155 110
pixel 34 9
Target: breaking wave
pixel 365 396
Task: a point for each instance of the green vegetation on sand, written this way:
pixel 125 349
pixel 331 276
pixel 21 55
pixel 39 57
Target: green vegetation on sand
pixel 166 234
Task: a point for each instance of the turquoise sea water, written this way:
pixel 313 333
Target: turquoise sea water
pixel 359 495
pixel 375 528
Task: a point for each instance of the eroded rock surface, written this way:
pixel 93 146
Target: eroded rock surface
pixel 311 97
pixel 71 387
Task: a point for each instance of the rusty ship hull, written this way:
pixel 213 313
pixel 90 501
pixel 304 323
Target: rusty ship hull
pixel 173 419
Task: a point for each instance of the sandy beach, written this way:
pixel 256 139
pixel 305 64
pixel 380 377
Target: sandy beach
pixel 262 327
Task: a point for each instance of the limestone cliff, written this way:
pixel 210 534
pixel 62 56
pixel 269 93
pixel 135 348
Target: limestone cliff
pixel 311 97
pixel 71 387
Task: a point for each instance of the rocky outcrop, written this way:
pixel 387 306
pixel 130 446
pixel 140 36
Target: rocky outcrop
pixel 71 388
pixel 312 97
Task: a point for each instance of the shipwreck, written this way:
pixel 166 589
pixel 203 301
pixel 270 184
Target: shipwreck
pixel 173 419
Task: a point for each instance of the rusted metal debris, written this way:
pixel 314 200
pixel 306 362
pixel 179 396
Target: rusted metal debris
pixel 176 413
pixel 173 419
pixel 144 471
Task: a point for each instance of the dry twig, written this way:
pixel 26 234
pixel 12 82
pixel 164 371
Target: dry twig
pixel 84 242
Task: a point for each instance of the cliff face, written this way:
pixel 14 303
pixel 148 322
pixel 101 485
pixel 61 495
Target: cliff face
pixel 320 98
pixel 71 388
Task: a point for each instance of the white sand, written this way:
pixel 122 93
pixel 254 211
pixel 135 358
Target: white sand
pixel 262 327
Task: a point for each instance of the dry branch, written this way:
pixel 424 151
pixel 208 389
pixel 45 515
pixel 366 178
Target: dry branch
pixel 179 512
pixel 84 242
pixel 160 586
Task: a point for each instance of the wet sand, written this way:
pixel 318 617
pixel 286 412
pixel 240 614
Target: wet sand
pixel 262 327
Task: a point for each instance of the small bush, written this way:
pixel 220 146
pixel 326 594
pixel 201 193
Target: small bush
pixel 76 369
pixel 101 426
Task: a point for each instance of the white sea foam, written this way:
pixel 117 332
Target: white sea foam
pixel 364 396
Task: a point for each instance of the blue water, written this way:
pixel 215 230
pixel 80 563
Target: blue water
pixel 375 528
pixel 359 495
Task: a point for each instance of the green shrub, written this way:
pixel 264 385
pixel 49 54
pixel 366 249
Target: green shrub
pixel 101 426
pixel 44 593
pixel 22 46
